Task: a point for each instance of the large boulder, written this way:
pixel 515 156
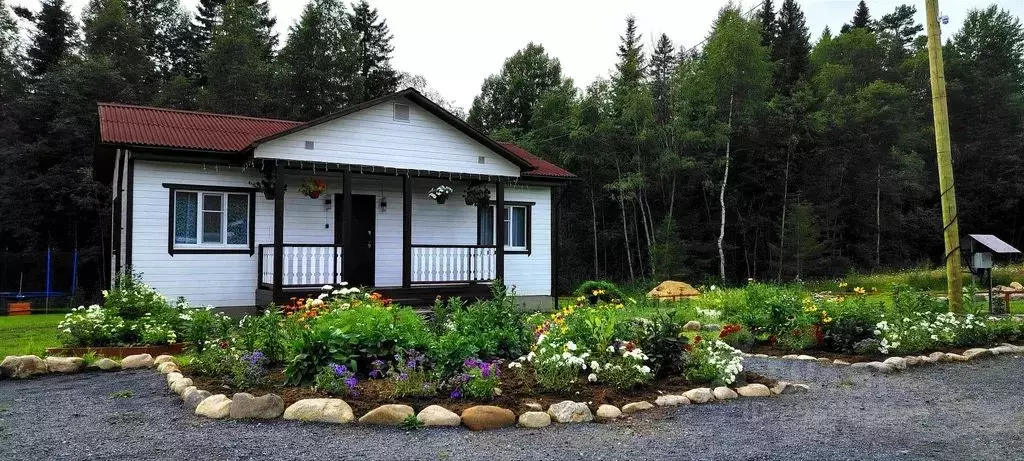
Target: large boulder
pixel 137 361
pixel 608 412
pixel 568 411
pixel 484 417
pixel 754 390
pixel 534 419
pixel 167 368
pixel 215 406
pixel 724 393
pixel 246 406
pixel 670 400
pixel 179 385
pixel 105 364
pixel 173 376
pixel 193 398
pixel 65 364
pixel 160 359
pixel 436 415
pixel 321 411
pixel 898 363
pixel 977 352
pixel 670 289
pixel 699 395
pixel 388 415
pixel 692 325
pixel 22 366
pixel 634 407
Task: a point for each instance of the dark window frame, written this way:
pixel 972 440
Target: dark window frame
pixel 174 188
pixel 529 226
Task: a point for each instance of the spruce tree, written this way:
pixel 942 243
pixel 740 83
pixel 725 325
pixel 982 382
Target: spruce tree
pixel 376 76
pixel 631 68
pixel 53 38
pixel 10 57
pixel 111 35
pixel 792 47
pixel 861 19
pixel 238 72
pixel 769 24
pixel 208 18
pixel 318 65
pixel 663 65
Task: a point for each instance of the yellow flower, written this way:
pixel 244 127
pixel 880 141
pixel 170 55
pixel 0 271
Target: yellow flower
pixel 859 290
pixel 843 284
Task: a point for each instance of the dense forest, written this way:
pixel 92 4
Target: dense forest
pixel 759 153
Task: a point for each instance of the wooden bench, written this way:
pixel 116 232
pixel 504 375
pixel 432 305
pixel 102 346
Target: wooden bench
pixel 19 308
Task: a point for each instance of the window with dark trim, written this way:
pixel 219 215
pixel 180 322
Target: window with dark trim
pixel 210 219
pixel 517 220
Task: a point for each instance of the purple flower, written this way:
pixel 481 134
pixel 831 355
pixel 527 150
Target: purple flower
pixel 411 364
pixel 339 370
pixel 351 382
pixel 470 363
pixel 403 377
pixel 465 377
pixel 254 358
pixel 456 394
pixel 376 374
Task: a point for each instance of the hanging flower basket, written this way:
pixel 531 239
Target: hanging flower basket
pixel 312 188
pixel 477 194
pixel 266 185
pixel 440 193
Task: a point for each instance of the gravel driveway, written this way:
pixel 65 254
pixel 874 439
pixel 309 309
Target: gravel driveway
pixel 951 411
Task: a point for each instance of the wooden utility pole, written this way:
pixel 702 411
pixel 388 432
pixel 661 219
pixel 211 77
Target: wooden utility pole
pixel 950 219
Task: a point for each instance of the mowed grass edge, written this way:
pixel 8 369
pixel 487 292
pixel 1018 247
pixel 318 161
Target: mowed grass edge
pixel 28 334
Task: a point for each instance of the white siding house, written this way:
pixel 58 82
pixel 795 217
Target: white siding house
pixel 192 215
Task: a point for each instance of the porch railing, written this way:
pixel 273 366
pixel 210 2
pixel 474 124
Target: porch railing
pixel 304 265
pixel 453 263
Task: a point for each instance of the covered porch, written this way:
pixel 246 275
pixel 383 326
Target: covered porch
pixel 412 254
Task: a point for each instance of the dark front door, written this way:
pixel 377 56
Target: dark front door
pixel 359 255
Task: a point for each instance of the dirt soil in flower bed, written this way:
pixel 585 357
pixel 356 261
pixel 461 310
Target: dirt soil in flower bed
pixel 849 358
pixel 516 393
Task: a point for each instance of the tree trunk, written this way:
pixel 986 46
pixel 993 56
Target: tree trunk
pixel 672 197
pixel 647 230
pixel 593 222
pixel 878 216
pixel 625 236
pixel 785 208
pixel 721 196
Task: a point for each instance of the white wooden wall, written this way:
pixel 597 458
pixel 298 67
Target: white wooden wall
pixel 373 137
pixel 230 279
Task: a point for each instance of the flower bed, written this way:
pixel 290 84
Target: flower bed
pixel 350 344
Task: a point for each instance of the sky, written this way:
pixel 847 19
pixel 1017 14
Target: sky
pixel 455 44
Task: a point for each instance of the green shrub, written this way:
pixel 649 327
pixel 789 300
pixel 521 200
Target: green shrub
pixel 205 328
pixel 769 309
pixel 249 370
pixel 854 320
pixel 212 361
pixel 264 333
pixel 493 328
pixel 409 377
pixel 713 362
pixel 594 291
pixel 478 380
pixel 662 340
pixel 354 337
pixel 131 299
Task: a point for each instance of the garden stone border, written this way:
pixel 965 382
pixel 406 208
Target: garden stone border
pixel 896 363
pixel 336 411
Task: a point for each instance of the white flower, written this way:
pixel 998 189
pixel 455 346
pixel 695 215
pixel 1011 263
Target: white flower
pixel 592 378
pixel 515 365
pixel 327 287
pixel 570 345
pixel 595 366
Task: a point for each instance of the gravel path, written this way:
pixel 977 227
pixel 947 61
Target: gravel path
pixel 952 411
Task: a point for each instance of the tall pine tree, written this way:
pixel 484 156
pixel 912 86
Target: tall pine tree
pixel 506 102
pixel 53 37
pixel 114 38
pixel 792 47
pixel 238 70
pixel 376 76
pixel 318 65
pixel 769 23
pixel 663 65
pixel 861 19
pixel 10 58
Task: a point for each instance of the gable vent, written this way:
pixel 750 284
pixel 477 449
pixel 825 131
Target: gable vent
pixel 402 112
pixel 309 145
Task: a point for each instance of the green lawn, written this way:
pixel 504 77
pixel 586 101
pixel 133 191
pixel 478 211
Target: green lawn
pixel 28 334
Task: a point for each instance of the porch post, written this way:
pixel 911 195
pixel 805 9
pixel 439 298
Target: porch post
pixel 499 230
pixel 406 231
pixel 279 185
pixel 346 225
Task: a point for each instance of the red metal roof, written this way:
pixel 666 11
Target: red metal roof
pixel 122 124
pixel 151 126
pixel 541 167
